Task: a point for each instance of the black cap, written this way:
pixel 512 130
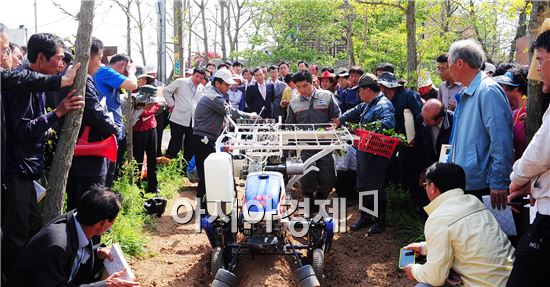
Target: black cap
pixel 237 64
pixel 388 80
pixel 367 80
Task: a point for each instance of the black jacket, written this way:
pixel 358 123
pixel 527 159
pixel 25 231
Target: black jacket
pixel 423 145
pixel 49 256
pixel 101 127
pixel 256 102
pixel 17 88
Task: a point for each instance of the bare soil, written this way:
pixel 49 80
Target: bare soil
pixel 182 258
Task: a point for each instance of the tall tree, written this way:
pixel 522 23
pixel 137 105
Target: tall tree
pixel 202 13
pixel 410 14
pixel 126 7
pixel 141 21
pixel 178 33
pixel 349 16
pixel 69 131
pixel 222 24
pixel 521 30
pixel 239 14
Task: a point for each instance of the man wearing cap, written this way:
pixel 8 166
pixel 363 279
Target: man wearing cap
pixel 482 139
pixel 182 96
pixel 311 107
pixel 489 69
pixel 343 85
pixel 371 169
pixel 448 88
pixel 235 94
pixel 401 168
pixel 350 99
pixel 514 84
pixel 327 81
pixel 209 118
pixel 426 88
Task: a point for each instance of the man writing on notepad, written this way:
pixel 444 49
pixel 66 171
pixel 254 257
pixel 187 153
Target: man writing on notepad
pixel 62 254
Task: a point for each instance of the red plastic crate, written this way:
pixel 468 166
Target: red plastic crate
pixel 375 143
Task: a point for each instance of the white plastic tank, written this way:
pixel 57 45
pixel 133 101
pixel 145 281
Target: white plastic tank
pixel 219 183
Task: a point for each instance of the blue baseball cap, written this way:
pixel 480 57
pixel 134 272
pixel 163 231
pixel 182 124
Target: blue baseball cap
pixel 506 79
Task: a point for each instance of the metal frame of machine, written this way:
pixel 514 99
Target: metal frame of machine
pixel 263 144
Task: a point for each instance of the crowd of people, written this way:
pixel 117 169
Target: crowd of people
pixel 479 108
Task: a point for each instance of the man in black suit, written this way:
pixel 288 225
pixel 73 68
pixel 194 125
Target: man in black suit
pixel 61 254
pixel 433 129
pixel 260 95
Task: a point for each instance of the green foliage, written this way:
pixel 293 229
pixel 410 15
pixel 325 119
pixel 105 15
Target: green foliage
pixel 376 127
pixel 402 216
pixel 286 29
pixel 131 224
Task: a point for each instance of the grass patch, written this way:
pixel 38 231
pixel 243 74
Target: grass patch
pixel 401 215
pixel 131 224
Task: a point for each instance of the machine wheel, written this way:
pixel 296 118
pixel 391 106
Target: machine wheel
pixel 217 261
pixel 226 277
pixel 309 282
pixel 218 283
pixel 302 275
pixel 318 264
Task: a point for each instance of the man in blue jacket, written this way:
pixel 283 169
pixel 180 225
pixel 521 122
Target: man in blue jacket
pixel 371 169
pixel 482 135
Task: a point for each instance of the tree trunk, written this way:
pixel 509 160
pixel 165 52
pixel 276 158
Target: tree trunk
pixel 140 25
pixel 535 102
pixel 222 28
pixel 202 7
pixel 69 131
pixel 349 40
pixel 230 5
pixel 412 61
pixel 127 111
pixel 190 32
pixel 178 35
pixel 520 32
pixel 128 31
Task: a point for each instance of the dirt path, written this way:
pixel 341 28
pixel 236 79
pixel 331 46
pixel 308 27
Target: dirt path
pixel 182 258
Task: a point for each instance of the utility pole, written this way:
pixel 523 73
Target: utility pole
pixel 161 40
pixel 35 19
pixel 216 30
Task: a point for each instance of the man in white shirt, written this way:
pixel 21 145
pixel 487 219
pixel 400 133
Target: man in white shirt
pixel 531 175
pixel 182 96
pixel 448 87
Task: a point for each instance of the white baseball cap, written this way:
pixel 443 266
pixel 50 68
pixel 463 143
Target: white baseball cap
pixel 225 75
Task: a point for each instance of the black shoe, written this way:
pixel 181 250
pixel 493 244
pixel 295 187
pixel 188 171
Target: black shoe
pixel 377 228
pixel 363 221
pixel 157 191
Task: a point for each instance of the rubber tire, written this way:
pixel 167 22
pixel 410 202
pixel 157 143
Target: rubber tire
pixel 310 281
pixel 303 272
pixel 218 283
pixel 216 262
pixel 317 262
pixel 227 278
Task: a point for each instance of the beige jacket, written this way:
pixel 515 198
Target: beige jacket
pixel 463 235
